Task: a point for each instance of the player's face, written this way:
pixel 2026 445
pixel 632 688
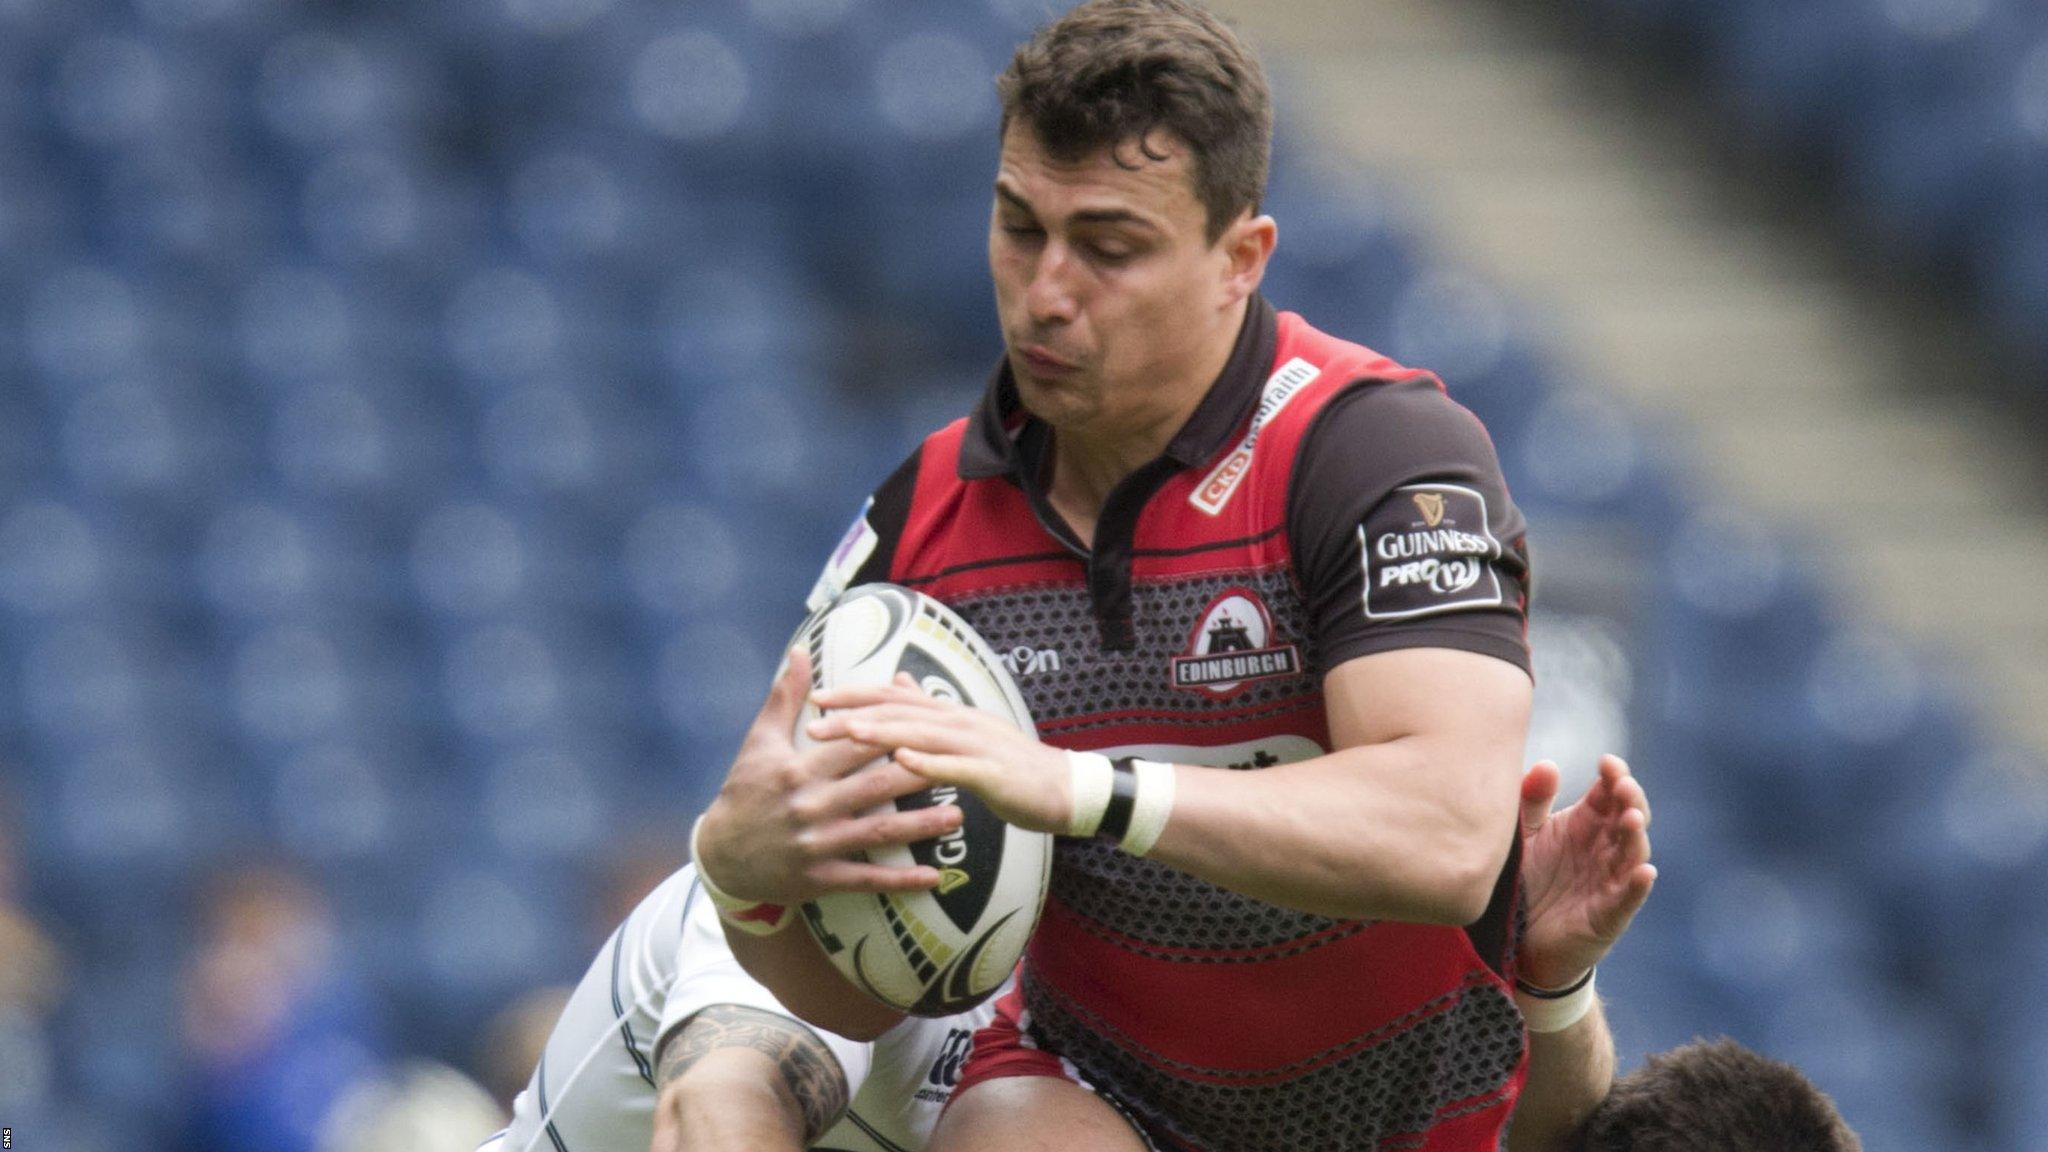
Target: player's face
pixel 1111 297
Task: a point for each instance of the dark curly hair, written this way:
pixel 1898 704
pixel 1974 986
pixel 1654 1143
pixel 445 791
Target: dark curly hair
pixel 1110 72
pixel 1715 1096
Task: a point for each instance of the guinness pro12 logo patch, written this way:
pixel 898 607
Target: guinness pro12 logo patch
pixel 1232 646
pixel 1427 548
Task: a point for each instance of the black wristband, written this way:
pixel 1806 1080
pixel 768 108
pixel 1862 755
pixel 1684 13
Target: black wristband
pixel 1528 989
pixel 1123 798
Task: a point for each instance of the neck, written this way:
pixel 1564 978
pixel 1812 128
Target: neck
pixel 1088 463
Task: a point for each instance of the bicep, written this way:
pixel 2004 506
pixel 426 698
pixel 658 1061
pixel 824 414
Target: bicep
pixel 734 1038
pixel 1440 697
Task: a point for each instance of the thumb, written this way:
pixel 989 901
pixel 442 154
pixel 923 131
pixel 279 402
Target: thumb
pixel 1539 790
pixel 785 704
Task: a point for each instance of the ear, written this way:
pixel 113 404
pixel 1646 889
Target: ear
pixel 1246 246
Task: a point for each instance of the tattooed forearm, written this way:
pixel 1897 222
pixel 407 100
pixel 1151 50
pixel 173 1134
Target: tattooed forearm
pixel 809 1071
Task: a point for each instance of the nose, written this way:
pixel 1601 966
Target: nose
pixel 1050 295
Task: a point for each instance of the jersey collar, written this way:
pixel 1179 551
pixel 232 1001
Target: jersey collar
pixel 995 431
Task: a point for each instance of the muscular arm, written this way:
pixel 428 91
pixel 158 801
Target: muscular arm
pixel 1410 819
pixel 738 1079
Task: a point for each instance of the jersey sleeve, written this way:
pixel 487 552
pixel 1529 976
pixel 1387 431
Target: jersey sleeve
pixel 867 552
pixel 707 974
pixel 1402 529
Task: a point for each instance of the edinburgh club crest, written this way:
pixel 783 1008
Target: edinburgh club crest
pixel 1232 647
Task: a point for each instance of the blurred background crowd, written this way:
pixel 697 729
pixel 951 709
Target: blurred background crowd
pixel 419 424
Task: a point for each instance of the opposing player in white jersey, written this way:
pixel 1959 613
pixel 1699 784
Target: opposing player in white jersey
pixel 668 1045
pixel 665 997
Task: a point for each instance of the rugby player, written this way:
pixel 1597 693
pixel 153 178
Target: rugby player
pixel 1266 590
pixel 666 1044
pixel 1709 1096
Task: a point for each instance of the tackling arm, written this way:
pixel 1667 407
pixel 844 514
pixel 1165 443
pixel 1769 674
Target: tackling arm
pixel 738 1079
pixel 1569 1075
pixel 1586 872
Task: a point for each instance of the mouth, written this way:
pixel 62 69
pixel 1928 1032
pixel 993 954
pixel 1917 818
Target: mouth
pixel 1042 362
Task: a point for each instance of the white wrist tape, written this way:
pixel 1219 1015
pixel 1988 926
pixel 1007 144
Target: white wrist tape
pixel 1151 808
pixel 754 917
pixel 1547 1011
pixel 1092 774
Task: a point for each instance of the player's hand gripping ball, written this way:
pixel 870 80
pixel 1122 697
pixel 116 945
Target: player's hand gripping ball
pixel 936 952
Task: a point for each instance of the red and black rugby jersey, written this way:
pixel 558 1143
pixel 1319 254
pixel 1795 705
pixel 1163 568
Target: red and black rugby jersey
pixel 1322 503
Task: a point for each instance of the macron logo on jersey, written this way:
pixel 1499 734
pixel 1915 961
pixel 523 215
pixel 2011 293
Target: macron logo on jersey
pixel 1216 489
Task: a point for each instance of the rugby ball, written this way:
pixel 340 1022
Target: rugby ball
pixel 938 952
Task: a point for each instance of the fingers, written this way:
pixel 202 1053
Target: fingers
pixel 1634 894
pixel 856 876
pixel 969 772
pixel 1539 791
pixel 899 690
pixel 1617 780
pixel 846 837
pixel 879 783
pixel 947 730
pixel 834 759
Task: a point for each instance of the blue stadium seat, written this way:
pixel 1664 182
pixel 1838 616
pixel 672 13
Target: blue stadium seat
pixel 358 434
pixel 558 799
pixel 347 803
pixel 742 312
pixel 480 935
pixel 683 559
pixel 709 679
pixel 85 322
pixel 185 203
pixel 2012 261
pixel 470 557
pixel 1763 931
pixel 381 206
pixel 38 216
pixel 293 321
pixel 134 816
pixel 157 436
pixel 1925 172
pixel 1884 1058
pixel 323 88
pixel 324 676
pixel 514 678
pixel 1948 852
pixel 1345 253
pixel 1789 70
pixel 85 678
pixel 269 555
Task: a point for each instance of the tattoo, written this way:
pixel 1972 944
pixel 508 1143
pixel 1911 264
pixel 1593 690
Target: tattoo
pixel 809 1070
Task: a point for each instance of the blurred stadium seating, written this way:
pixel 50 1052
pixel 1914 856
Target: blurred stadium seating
pixel 419 423
pixel 1930 115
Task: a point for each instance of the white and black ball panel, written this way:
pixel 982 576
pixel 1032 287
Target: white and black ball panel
pixel 939 952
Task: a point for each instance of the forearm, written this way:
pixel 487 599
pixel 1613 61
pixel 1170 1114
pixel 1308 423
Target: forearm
pixel 739 1079
pixel 1569 1075
pixel 1382 832
pixel 733 1102
pixel 791 965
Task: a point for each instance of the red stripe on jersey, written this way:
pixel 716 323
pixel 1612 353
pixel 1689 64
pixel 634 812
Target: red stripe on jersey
pixel 1392 971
